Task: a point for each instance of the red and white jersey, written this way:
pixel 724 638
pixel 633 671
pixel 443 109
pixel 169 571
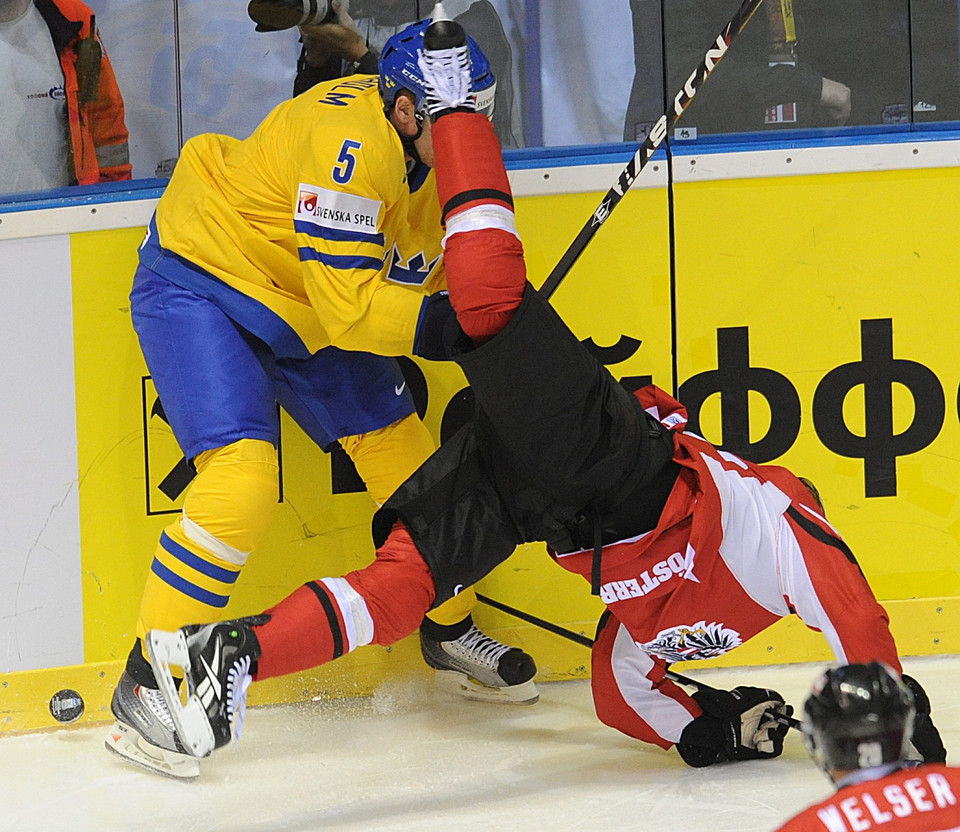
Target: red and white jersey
pixel 738 546
pixel 909 800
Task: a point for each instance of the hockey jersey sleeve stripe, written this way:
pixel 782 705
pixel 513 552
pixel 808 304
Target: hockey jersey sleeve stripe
pixel 345 262
pixel 338 235
pixel 822 535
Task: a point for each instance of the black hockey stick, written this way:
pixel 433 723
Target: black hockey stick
pixel 650 144
pixel 584 641
pixel 556 629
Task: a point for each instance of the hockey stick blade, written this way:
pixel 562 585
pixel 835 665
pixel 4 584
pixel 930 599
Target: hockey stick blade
pixel 650 144
pixel 166 649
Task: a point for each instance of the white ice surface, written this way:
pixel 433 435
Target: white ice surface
pixel 413 758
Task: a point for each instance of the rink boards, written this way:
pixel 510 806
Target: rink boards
pixel 811 322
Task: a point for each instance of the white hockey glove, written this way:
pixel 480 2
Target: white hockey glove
pixel 742 724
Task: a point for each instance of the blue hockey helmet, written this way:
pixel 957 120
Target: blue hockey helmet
pixel 399 70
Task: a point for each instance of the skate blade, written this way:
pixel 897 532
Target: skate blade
pixel 127 744
pixel 170 649
pixel 463 686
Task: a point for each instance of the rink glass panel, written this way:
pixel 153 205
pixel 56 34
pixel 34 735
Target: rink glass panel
pixel 582 72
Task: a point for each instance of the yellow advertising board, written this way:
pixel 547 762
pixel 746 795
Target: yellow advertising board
pixel 814 329
pixel 133 476
pixel 804 320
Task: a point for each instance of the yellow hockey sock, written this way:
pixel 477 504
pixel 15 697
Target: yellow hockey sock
pixel 456 609
pixel 385 458
pixel 201 554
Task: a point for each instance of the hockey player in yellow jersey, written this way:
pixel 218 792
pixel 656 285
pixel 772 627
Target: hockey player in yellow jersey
pixel 292 267
pixel 324 227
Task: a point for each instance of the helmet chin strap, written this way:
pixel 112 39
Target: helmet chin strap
pixel 409 142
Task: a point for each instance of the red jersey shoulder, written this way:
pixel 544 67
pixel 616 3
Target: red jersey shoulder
pixel 921 799
pixel 662 406
pixel 671 413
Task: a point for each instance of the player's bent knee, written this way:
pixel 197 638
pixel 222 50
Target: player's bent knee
pixel 386 457
pixel 234 495
pixel 397 588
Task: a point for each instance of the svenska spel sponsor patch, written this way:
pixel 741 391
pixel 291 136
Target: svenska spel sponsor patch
pixel 333 209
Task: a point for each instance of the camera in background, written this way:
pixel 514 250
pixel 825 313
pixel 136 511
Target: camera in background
pixel 277 15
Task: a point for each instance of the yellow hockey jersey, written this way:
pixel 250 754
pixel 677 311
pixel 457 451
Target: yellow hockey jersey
pixel 310 232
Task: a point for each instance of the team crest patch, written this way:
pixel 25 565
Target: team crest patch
pixel 693 641
pixel 412 272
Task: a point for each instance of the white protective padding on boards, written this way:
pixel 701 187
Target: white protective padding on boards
pixel 41 621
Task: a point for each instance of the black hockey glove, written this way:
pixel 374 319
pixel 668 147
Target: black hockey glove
pixel 741 724
pixel 438 335
pixel 925 738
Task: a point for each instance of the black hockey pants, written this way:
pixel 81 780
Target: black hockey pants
pixel 557 451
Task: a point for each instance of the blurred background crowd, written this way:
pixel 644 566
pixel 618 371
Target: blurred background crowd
pixel 106 90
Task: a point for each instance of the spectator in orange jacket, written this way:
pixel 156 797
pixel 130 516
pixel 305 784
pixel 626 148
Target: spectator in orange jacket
pixel 61 112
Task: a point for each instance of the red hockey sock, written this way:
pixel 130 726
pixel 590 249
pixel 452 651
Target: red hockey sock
pixel 397 588
pixel 486 274
pixel 324 619
pixel 299 634
pixel 468 164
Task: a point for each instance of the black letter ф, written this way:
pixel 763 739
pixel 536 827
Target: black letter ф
pixel 877 371
pixel 733 379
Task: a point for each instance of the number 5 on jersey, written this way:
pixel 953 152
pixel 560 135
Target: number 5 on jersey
pixel 346 162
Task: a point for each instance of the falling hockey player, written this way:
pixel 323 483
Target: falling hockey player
pixel 693 550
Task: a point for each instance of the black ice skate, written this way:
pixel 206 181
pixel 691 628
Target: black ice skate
pixel 445 64
pixel 216 660
pixel 144 732
pixel 478 667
